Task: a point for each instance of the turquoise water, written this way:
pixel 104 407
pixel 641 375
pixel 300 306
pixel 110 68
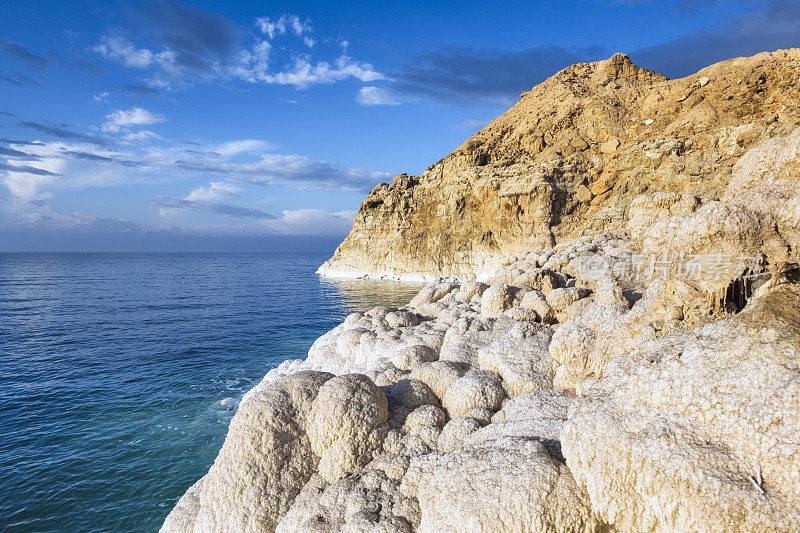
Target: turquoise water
pixel 119 373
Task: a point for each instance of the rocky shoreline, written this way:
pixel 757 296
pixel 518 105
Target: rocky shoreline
pixel 642 378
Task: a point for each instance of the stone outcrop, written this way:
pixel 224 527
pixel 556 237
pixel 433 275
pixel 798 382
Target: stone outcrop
pixel 644 378
pixel 568 159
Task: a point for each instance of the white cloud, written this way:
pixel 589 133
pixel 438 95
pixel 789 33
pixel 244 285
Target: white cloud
pixel 135 116
pixel 142 135
pixel 251 61
pixel 49 167
pixel 273 27
pixel 253 64
pixel 101 97
pixel 311 222
pixel 243 146
pixel 372 96
pixel 303 73
pixel 214 191
pixel 124 52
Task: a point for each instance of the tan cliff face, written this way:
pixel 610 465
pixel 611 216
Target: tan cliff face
pixel 568 159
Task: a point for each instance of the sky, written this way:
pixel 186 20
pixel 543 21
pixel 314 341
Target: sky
pixel 161 125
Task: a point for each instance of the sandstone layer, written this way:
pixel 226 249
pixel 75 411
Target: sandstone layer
pixel 568 159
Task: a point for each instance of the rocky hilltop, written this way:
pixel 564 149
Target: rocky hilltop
pixel 567 159
pixel 640 374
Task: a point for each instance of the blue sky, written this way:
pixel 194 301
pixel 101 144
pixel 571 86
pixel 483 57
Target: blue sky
pixel 164 125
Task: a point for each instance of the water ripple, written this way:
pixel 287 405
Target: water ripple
pixel 120 372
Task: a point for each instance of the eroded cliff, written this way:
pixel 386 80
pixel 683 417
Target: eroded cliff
pixel 568 159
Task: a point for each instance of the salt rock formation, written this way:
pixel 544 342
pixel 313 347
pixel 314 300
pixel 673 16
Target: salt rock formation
pixel 568 159
pixel 590 385
pixel 344 424
pixel 452 490
pixel 265 461
pixel 521 358
pixel 698 430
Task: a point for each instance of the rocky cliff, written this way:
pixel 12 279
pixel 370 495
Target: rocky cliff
pixel 641 378
pixel 568 159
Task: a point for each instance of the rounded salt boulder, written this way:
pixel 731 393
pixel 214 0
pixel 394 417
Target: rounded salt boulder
pixel 401 319
pixel 476 389
pixel 410 393
pixel 267 435
pixel 522 314
pixel 470 289
pixel 496 299
pixel 455 431
pixel 408 358
pixel 344 424
pixel 425 415
pixel 430 293
pixel 561 298
pixel 438 375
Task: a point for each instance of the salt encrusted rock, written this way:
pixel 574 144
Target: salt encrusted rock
pixel 386 375
pixel 408 358
pixel 411 393
pixel 420 431
pixel 521 358
pixel 535 300
pixel 455 431
pixel 367 501
pixel 475 389
pixel 578 308
pixel 715 227
pixel 522 314
pixel 470 289
pixel 346 424
pixel 268 435
pixel 432 292
pixel 533 491
pixel 401 318
pixel 648 209
pixel 766 180
pixel 496 299
pixel 481 414
pixel 541 404
pixel 467 335
pixel 560 299
pixel 543 280
pixel 582 346
pixel 697 431
pixel 438 375
pixel 425 415
pixel 570 349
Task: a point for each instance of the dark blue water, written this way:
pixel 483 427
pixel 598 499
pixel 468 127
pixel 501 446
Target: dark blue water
pixel 119 373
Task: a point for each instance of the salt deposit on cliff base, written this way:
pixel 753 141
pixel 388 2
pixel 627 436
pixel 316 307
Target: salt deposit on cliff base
pixel 643 379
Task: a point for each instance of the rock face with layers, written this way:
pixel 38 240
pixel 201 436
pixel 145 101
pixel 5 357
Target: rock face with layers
pixel 569 392
pixel 569 158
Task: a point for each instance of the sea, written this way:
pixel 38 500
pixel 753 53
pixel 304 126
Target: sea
pixel 119 373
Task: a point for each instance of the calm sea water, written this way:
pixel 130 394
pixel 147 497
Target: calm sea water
pixel 119 373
